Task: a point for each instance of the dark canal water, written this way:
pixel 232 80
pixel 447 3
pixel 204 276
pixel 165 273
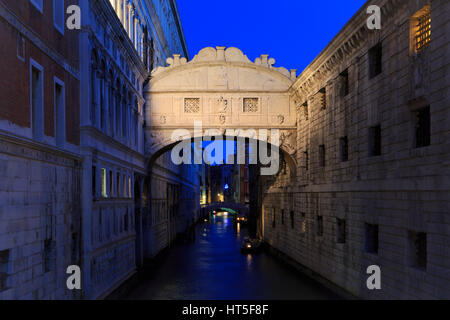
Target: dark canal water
pixel 212 268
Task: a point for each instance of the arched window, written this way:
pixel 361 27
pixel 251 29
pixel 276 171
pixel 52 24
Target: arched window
pixel 136 123
pixel 111 103
pixel 117 108
pixel 93 86
pixel 124 116
pixel 103 115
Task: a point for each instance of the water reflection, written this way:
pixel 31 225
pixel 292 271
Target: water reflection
pixel 214 268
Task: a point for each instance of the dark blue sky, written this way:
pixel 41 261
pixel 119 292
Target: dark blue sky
pixel 293 32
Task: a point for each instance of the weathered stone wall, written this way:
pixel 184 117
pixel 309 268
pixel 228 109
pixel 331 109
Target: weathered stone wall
pixel 405 190
pixel 40 220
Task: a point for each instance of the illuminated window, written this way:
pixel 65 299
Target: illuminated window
pixel 422 30
pixel 129 187
pixel 303 222
pixel 104 192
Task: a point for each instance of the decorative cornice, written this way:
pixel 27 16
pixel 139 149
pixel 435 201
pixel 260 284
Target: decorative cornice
pixel 351 38
pixel 222 55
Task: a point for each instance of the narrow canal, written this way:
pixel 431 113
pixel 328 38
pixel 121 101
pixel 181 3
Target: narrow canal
pixel 212 268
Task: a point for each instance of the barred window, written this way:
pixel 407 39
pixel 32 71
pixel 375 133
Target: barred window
pixel 192 105
pixel 319 226
pixel 322 98
pixel 322 155
pixel 251 104
pixel 418 249
pixel 422 127
pixel 371 238
pixel 423 31
pixel 340 225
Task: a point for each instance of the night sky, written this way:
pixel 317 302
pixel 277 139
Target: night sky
pixel 293 32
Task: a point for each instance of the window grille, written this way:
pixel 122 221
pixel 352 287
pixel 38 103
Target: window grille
pixel 423 31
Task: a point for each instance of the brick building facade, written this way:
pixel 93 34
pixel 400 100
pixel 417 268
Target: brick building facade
pixel 40 228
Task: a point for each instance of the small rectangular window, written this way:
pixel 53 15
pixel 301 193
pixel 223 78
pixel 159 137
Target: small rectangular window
pixel 371 238
pixel 323 98
pixel 251 105
pixel 125 221
pixel 375 141
pixel 345 86
pixel 124 186
pixel 306 159
pixel 192 105
pixel 273 218
pixel 292 219
pixel 343 147
pixel 129 187
pixel 322 155
pixel 58 15
pixel 303 215
pixel 319 226
pixel 422 29
pixel 4 261
pixel 282 216
pixel 118 193
pixel 49 255
pixel 422 127
pixel 21 47
pixel 111 183
pixel 60 113
pixel 104 184
pixel 37 101
pixel 94 181
pixel 418 249
pixel 375 60
pixel 340 226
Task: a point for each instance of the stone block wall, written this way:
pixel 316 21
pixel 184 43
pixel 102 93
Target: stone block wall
pixel 403 191
pixel 40 229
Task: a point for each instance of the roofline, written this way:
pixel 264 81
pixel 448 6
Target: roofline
pixel 174 5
